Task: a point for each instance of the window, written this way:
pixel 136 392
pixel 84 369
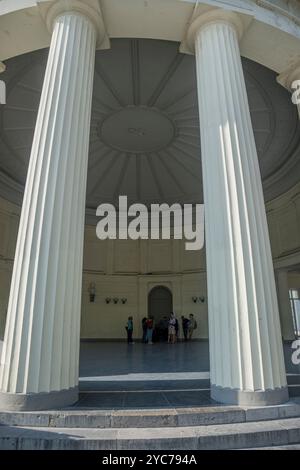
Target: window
pixel 295 305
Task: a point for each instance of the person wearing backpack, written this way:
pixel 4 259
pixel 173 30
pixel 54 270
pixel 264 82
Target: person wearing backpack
pixel 192 325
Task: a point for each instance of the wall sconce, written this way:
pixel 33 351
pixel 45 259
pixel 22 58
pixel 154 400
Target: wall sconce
pixel 92 291
pixel 115 300
pixel 198 299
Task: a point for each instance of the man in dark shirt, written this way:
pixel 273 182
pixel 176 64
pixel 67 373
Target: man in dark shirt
pixel 185 327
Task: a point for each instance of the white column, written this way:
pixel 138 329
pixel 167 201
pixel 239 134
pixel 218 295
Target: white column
pixel 39 365
pixel 246 355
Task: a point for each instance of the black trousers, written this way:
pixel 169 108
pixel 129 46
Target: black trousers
pixel 144 339
pixel 129 336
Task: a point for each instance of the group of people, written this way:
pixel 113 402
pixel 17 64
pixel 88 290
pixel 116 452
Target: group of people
pixel 188 327
pixel 147 325
pixel 167 329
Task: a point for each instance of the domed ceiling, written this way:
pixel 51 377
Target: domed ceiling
pixel 144 140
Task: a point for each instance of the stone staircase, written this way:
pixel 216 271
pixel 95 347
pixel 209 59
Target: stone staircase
pixel 207 427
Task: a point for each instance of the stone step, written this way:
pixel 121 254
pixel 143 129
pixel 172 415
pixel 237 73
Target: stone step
pixel 293 379
pixel 149 418
pixel 287 447
pixel 245 435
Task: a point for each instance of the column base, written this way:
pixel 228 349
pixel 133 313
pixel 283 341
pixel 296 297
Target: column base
pixel 38 401
pixel 231 396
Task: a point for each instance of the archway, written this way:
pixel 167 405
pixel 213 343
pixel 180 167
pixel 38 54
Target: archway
pixel 160 303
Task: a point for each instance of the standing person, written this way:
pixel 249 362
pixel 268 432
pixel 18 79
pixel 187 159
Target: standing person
pixel 171 329
pixel 165 326
pixel 150 325
pixel 192 325
pixel 185 327
pixel 144 327
pixel 129 329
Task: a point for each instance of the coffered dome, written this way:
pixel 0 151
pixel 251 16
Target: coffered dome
pixel 144 140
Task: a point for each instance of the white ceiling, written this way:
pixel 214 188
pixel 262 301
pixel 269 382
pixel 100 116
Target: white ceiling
pixel 144 139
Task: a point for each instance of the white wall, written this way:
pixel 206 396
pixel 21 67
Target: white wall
pixel 121 269
pixel 9 220
pixel 284 224
pixel 101 320
pixel 294 279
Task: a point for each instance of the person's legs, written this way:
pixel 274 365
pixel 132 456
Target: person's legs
pixel 144 335
pixel 149 336
pixel 185 334
pixel 129 336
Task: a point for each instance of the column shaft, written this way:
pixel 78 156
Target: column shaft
pixel 39 363
pixel 245 341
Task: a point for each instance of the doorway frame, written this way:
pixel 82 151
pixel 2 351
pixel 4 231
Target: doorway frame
pixel 159 286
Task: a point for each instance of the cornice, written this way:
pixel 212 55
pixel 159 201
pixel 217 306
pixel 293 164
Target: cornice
pixel 88 8
pixel 268 5
pixel 237 18
pixel 287 77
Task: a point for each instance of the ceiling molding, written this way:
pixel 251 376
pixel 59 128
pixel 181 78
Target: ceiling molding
pixel 144 89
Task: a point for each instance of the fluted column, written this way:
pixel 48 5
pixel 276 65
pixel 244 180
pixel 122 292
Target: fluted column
pixel 246 356
pixel 39 365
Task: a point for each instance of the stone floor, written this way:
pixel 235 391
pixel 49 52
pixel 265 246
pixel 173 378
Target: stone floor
pixel 115 375
pixel 153 397
pixel 121 376
pixel 118 358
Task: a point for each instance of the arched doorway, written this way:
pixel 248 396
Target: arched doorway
pixel 160 303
